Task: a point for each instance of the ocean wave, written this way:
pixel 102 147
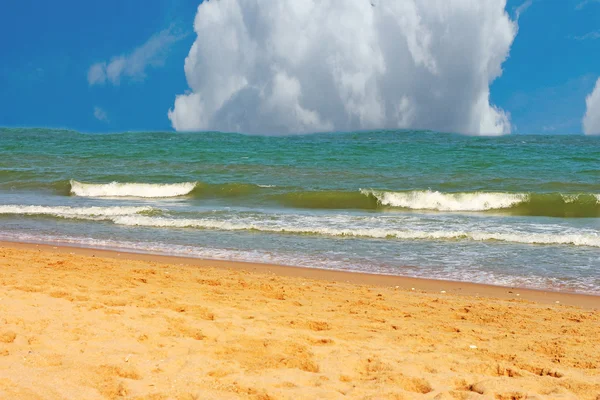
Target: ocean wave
pixel 576 239
pixel 433 200
pixel 73 212
pixel 529 204
pixel 163 190
pixel 118 189
pixel 565 205
pixel 525 204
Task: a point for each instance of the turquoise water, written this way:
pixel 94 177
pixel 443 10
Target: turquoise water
pixel 514 210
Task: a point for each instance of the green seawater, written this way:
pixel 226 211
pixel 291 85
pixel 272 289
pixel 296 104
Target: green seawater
pixel 513 210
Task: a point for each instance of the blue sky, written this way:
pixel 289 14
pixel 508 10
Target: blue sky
pixel 48 48
pixel 552 66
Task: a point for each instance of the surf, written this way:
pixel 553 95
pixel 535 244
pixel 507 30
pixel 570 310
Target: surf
pixel 93 213
pixel 144 190
pixel 438 201
pixel 564 205
pixel 525 204
pixel 338 227
pixel 536 238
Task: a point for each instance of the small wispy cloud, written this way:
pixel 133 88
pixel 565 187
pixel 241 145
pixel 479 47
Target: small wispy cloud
pixel 588 36
pixel 522 8
pixel 548 128
pixel 584 3
pixel 153 53
pixel 100 114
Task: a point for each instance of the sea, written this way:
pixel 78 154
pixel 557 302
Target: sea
pixel 517 210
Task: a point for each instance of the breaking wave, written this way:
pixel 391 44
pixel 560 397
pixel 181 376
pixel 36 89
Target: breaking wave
pixel 526 204
pixel 117 189
pixel 532 204
pixel 433 200
pixel 565 205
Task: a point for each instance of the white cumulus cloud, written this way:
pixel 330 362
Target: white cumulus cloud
pixel 286 66
pixel 591 120
pixel 133 65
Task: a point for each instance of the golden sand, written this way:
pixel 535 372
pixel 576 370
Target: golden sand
pixel 77 326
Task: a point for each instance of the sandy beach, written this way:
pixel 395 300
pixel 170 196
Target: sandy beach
pixel 93 324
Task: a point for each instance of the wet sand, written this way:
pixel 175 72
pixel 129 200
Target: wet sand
pixel 84 323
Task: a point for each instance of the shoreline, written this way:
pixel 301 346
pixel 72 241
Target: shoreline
pixel 422 285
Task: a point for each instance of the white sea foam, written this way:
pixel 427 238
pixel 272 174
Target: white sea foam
pixel 335 226
pixel 434 200
pixel 118 189
pixel 72 212
pixel 577 239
